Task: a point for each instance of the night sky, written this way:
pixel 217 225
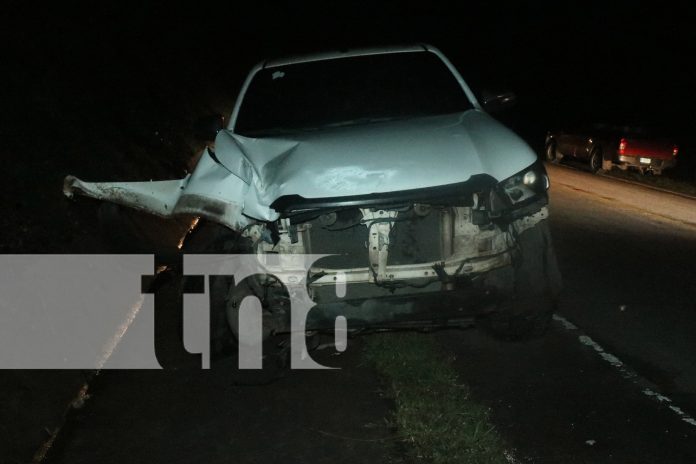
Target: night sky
pixel 568 63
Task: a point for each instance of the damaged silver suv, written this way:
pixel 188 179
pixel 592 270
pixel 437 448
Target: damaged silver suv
pixel 434 213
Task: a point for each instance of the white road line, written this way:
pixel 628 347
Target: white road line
pixel 83 395
pixel 625 371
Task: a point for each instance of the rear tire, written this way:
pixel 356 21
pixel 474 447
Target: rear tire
pixel 596 160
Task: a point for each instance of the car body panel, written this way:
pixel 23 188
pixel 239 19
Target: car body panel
pixel 244 176
pixel 650 148
pixel 378 157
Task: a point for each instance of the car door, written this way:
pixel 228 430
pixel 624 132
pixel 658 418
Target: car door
pixel 567 143
pixel 583 142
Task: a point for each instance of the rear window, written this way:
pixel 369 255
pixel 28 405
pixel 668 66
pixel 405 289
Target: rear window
pixel 345 91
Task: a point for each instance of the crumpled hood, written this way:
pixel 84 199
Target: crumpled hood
pixel 242 179
pixel 376 157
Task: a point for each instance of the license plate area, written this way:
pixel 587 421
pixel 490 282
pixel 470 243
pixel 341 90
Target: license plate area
pixel 644 160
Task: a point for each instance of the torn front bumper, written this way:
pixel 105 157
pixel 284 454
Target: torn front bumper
pixel 451 292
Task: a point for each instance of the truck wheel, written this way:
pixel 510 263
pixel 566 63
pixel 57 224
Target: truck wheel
pixel 225 297
pixel 596 160
pixel 211 238
pixel 274 317
pixel 526 312
pixel 551 152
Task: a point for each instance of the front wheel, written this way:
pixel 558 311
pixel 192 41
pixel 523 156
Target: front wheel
pixel 535 284
pixel 226 295
pixel 211 238
pixel 550 153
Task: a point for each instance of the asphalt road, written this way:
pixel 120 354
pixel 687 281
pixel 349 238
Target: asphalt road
pixel 613 381
pixel 629 290
pixel 628 257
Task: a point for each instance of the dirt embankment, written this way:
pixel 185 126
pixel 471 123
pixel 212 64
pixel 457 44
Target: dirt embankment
pixel 85 114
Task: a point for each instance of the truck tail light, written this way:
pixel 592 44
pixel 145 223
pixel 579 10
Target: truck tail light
pixel 622 146
pixel 675 150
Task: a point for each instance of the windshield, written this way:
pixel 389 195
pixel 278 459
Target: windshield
pixel 344 91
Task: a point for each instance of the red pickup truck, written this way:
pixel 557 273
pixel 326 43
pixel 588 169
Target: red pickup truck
pixel 604 146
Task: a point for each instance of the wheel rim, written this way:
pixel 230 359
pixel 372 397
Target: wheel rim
pixel 550 152
pixel 595 162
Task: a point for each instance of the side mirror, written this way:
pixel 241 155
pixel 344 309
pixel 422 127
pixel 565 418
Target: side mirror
pixel 206 128
pixel 497 101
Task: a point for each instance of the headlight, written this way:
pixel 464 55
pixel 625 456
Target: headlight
pixel 527 184
pixel 525 187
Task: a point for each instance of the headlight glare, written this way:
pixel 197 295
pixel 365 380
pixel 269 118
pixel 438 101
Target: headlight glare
pixel 525 185
pixel 529 178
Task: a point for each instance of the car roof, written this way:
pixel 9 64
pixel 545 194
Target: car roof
pixel 329 55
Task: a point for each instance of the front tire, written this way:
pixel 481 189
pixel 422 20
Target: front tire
pixel 212 238
pixel 526 312
pixel 550 152
pixel 225 297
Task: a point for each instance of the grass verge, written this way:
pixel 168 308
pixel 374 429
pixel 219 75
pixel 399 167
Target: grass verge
pixel 434 413
pixel 662 182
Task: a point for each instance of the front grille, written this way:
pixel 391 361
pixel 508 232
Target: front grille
pixel 413 240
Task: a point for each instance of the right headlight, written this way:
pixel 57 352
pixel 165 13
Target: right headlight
pixel 526 187
pixel 526 184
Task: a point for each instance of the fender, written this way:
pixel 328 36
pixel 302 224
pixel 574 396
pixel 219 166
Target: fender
pixel 225 194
